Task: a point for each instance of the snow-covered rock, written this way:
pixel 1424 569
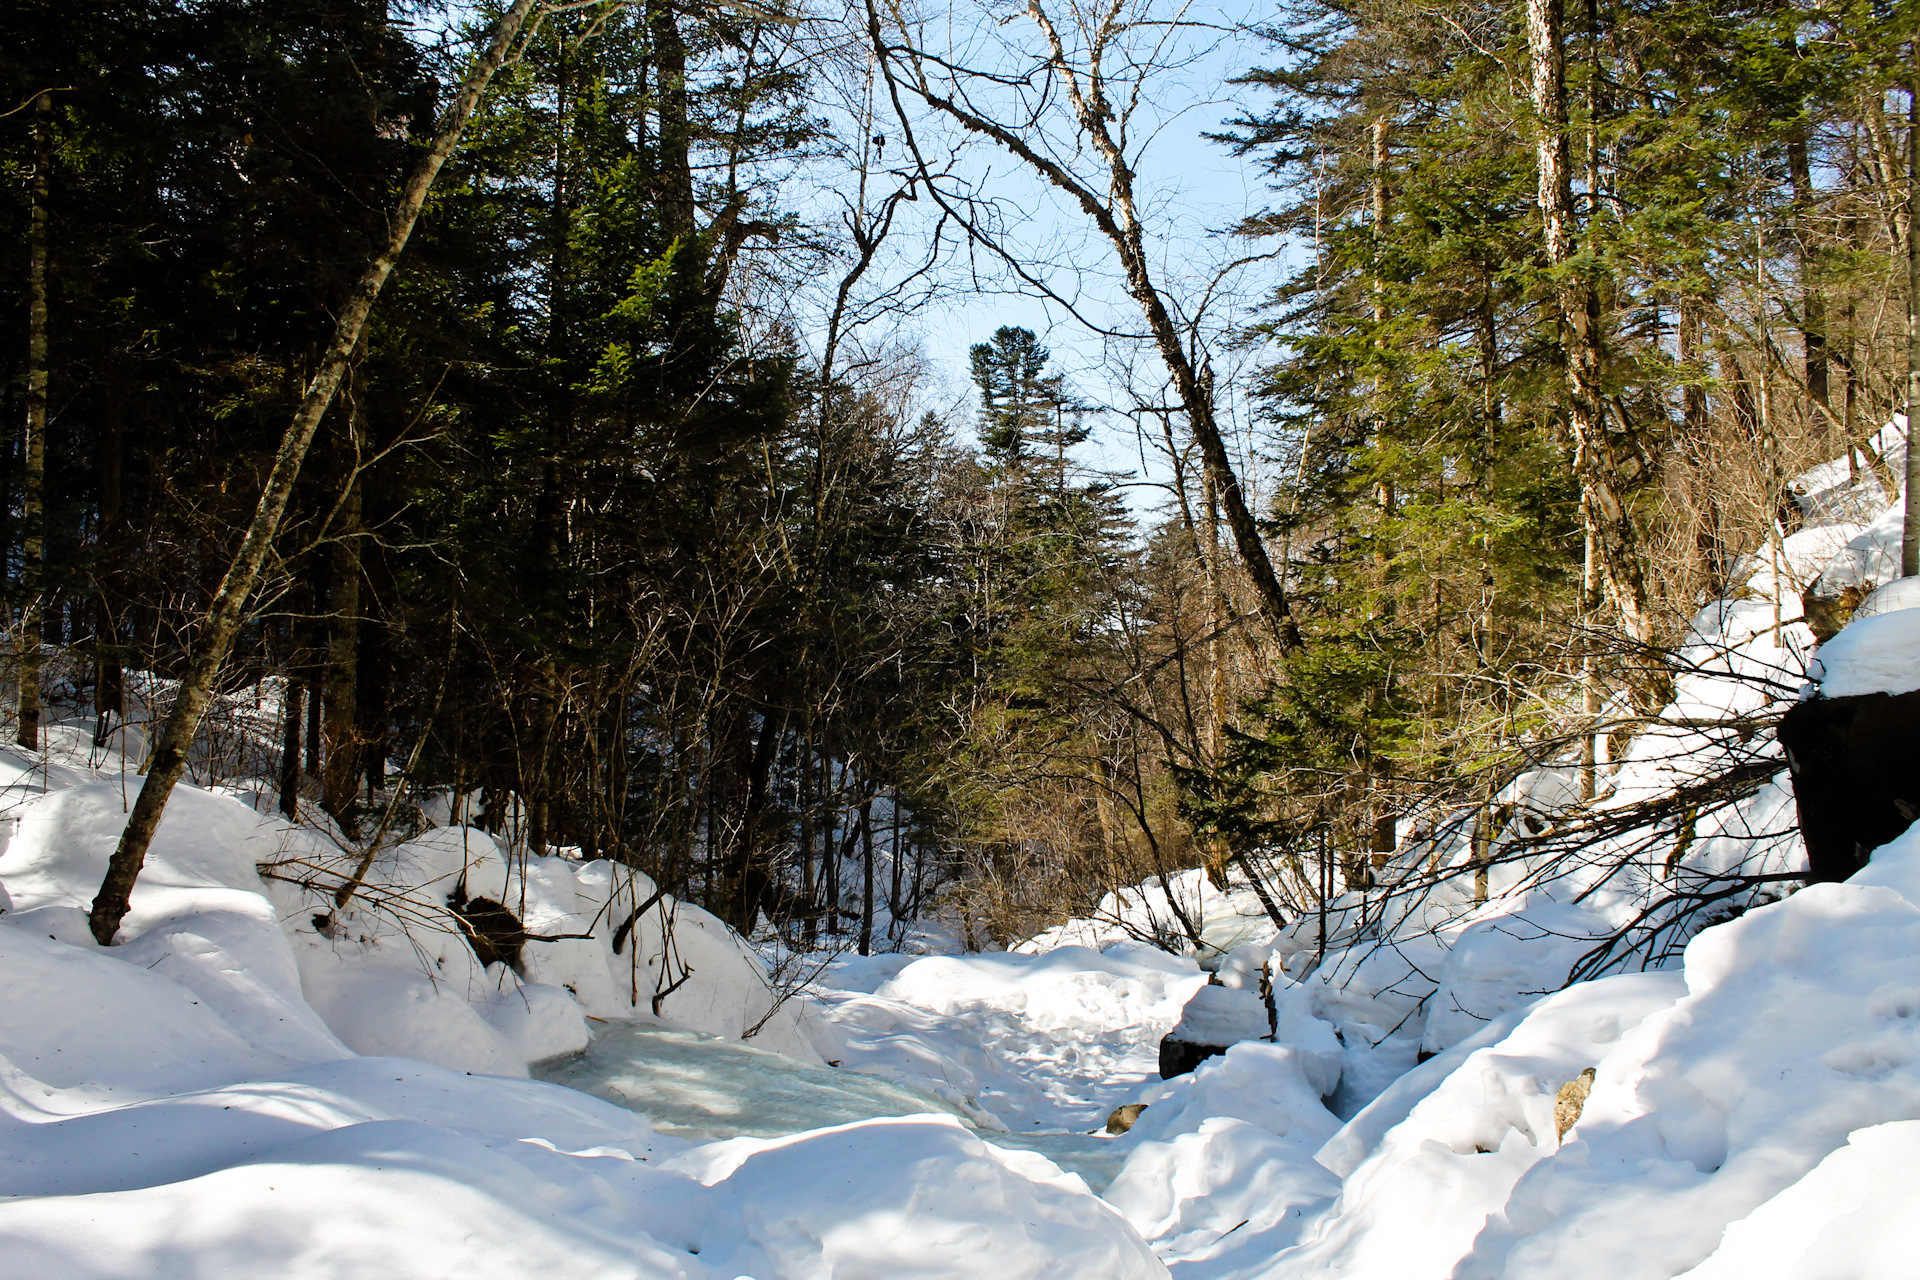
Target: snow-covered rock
pixel 1275 1086
pixel 1214 1017
pixel 1879 653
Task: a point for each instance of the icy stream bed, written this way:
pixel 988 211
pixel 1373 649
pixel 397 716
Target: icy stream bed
pixel 704 1087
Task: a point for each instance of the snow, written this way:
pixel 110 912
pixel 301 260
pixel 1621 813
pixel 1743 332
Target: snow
pixel 1901 593
pixel 1422 1194
pixel 1221 1016
pixel 234 1092
pixel 1855 1217
pixel 907 1198
pixel 1875 654
pixel 1275 1086
pixel 1716 1090
pixel 1506 961
pixel 1227 1195
pixel 1046 1043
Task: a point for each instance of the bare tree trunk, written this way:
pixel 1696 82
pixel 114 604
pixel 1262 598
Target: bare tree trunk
pixel 866 877
pixel 109 684
pixel 674 144
pixel 830 848
pixel 290 747
pixel 293 708
pixel 1813 317
pixel 339 723
pixel 1482 852
pixel 1589 677
pixel 34 453
pixel 1383 830
pixel 214 635
pixel 1616 540
pixel 809 888
pixel 1708 543
pixel 896 909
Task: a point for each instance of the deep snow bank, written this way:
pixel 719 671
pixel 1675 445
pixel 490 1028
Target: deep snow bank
pixel 176 1107
pixel 1735 1112
pixel 394 974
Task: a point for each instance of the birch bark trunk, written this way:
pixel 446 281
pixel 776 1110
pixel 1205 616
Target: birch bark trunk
pixel 1616 541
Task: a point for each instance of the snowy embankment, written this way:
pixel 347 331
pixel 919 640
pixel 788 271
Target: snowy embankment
pixel 194 1102
pixel 1743 1108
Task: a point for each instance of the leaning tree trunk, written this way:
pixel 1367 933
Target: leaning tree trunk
pixel 215 632
pixel 32 508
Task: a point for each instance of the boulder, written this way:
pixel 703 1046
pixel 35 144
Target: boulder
pixel 1854 782
pixel 1851 746
pixel 1214 1020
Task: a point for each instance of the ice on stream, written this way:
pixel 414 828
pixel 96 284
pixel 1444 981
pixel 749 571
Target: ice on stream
pixel 704 1087
pixel 1032 1052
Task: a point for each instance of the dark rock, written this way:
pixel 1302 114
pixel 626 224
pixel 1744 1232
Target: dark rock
pixel 1828 612
pixel 1177 1057
pixel 1215 1019
pixel 495 933
pixel 1855 778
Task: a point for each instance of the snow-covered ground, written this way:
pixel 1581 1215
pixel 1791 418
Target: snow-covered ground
pixel 260 1082
pixel 234 1091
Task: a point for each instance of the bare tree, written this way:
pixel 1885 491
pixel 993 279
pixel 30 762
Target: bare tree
pixel 33 506
pixel 1089 72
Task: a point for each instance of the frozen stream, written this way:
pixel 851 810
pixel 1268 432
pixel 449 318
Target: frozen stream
pixel 1044 1045
pixel 702 1087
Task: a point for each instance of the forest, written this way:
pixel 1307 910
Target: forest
pixel 1013 640
pixel 625 511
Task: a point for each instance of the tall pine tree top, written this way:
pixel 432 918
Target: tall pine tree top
pixel 1019 406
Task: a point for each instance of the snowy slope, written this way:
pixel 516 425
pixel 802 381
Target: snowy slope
pixel 178 1106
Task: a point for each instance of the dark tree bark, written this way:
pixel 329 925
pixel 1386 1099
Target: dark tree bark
pixel 290 747
pixel 675 138
pixel 866 878
pixel 34 446
pixel 109 681
pixel 340 721
pixel 1813 317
